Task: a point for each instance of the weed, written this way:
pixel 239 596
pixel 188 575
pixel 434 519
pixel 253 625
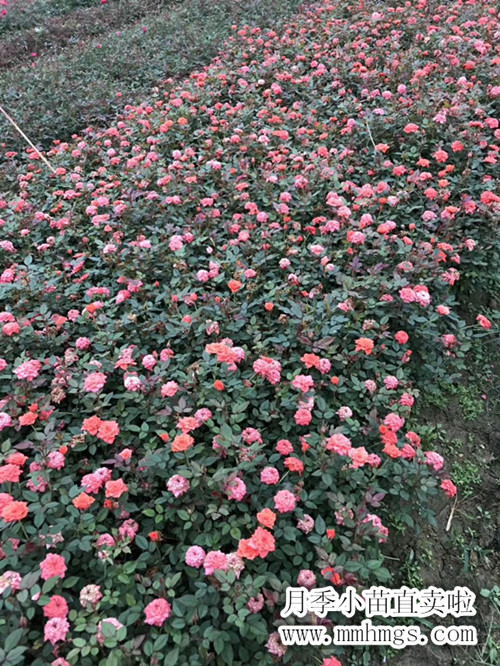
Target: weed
pixel 466 475
pixel 471 404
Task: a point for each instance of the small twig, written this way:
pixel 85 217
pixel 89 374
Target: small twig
pixel 371 137
pixel 26 139
pixel 448 524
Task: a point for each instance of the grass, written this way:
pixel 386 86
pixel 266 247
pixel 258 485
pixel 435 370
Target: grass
pixel 85 85
pixel 55 31
pixel 25 14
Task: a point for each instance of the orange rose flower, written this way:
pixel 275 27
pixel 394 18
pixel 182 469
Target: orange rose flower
pixel 263 542
pixel 310 360
pixel 182 442
pixel 155 536
pixel 388 437
pixel 27 419
pixel 260 544
pixel 83 501
pixel 14 511
pixel 17 459
pixel 267 518
pixel 218 385
pixel 365 345
pixel 246 550
pixel 91 425
pixel 234 285
pixel 108 431
pixel 294 464
pixel 126 454
pixel 392 451
pixel 115 488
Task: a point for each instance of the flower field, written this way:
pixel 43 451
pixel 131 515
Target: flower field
pixel 69 64
pixel 218 317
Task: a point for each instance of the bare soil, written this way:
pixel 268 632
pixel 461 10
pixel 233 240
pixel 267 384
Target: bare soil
pixel 468 554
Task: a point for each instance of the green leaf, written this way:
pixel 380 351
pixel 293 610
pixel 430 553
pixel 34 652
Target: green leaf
pixel 72 580
pixel 121 634
pixel 107 629
pixel 172 657
pixel 142 542
pixel 219 644
pixel 259 581
pixel 49 584
pixel 13 640
pixel 320 525
pixel 30 579
pixel 16 656
pixel 160 643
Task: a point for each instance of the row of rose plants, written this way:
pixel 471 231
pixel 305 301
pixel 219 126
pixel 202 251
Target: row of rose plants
pixel 15 14
pixel 218 316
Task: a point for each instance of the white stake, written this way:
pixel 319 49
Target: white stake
pixel 26 139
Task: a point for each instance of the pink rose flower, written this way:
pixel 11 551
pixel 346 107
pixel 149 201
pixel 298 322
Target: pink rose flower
pixel 56 630
pixel 53 566
pixel 94 382
pixel 195 556
pixel 284 501
pixel 270 476
pixel 178 485
pixel 215 560
pixel 157 612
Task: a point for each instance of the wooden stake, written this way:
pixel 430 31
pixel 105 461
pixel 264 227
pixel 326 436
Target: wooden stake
pixel 26 139
pixel 448 524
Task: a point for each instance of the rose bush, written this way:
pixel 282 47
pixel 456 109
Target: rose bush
pixel 217 317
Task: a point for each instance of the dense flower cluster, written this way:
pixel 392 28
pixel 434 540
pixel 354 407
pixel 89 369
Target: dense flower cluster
pixel 216 319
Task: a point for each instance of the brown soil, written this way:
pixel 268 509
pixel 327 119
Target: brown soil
pixel 468 554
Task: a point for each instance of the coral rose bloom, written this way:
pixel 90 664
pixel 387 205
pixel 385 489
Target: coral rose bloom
pixel 182 443
pixel 234 286
pixel 483 321
pixel 14 511
pixel 267 518
pixel 116 489
pixel 365 345
pixel 92 425
pixel 263 541
pixel 108 431
pixel 83 501
pixel 57 607
pixel 260 544
pixel 10 473
pixel 410 128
